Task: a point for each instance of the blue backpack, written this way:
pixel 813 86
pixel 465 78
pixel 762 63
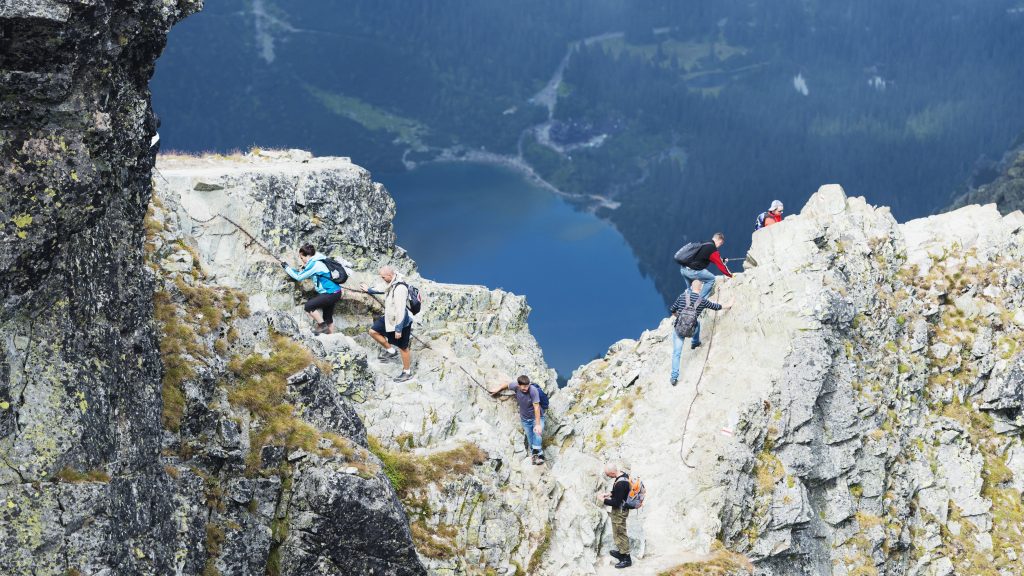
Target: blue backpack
pixel 543 397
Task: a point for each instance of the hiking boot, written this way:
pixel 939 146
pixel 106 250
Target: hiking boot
pixel 624 561
pixel 615 554
pixel 320 328
pixel 694 346
pixel 385 355
pixel 538 460
pixel 403 376
pixel 674 381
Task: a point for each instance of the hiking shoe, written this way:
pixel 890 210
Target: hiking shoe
pixel 385 355
pixel 615 554
pixel 320 329
pixel 403 376
pixel 673 381
pixel 625 561
pixel 538 460
pixel 695 346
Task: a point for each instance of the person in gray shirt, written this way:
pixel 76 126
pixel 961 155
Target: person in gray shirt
pixel 531 413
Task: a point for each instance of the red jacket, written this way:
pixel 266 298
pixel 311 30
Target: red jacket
pixel 716 258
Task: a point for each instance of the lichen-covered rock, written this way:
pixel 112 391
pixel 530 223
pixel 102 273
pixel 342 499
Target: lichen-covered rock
pixel 81 487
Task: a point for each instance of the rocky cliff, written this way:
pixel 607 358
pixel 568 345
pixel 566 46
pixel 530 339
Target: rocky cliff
pixel 254 402
pixel 856 412
pixel 82 489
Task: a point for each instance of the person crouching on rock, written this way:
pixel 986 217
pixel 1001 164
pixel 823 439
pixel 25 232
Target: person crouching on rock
pixel 393 329
pixel 320 307
pixel 770 218
pixel 616 500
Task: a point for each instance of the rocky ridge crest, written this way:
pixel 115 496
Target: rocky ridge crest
pixel 858 410
pixel 855 414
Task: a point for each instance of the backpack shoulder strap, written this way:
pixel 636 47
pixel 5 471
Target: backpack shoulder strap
pixel 692 302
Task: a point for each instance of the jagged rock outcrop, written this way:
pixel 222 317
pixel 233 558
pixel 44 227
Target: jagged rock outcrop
pixel 271 463
pixel 857 410
pixel 453 454
pixel 81 485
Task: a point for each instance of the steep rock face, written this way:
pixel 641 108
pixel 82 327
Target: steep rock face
pixel 896 453
pixel 270 462
pixel 453 454
pixel 856 412
pixel 81 486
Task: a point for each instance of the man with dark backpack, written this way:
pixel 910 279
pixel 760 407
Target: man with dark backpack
pixel 686 311
pixel 327 283
pixel 694 258
pixel 533 403
pixel 393 329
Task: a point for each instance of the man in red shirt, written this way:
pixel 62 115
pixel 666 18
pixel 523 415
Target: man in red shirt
pixel 696 268
pixel 771 217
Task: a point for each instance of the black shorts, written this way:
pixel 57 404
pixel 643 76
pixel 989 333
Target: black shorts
pixel 326 303
pixel 403 342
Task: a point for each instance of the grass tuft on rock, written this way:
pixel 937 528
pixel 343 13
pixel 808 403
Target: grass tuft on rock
pixel 437 542
pixel 77 476
pixel 409 472
pixel 721 562
pixel 184 321
pixel 538 553
pixel 260 387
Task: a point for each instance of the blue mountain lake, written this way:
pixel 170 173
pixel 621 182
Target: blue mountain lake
pixel 483 224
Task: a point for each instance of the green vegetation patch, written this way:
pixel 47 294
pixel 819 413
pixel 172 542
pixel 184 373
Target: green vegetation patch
pixel 198 311
pixel 409 472
pixel 673 54
pixel 437 542
pixel 260 387
pixel 370 117
pixel 542 548
pixel 721 562
pixel 77 476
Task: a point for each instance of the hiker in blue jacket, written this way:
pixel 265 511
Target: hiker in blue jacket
pixel 320 307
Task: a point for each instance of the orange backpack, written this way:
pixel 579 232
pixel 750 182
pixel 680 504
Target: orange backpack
pixel 637 493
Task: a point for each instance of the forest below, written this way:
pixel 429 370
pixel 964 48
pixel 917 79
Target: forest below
pixel 691 116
